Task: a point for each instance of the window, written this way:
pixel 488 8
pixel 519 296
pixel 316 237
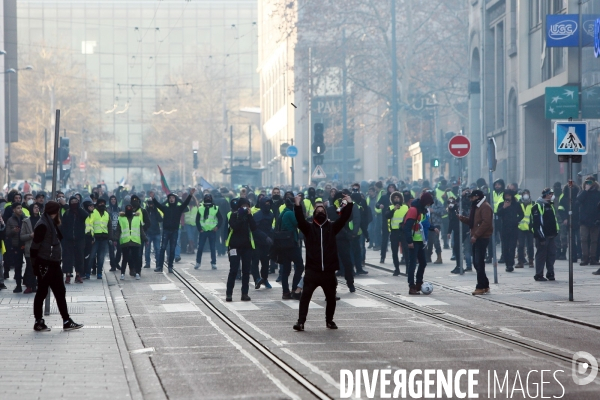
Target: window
pixel 535 14
pixel 499 65
pixel 558 6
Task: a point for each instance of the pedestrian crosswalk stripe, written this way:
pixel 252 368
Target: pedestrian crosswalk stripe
pixel 360 303
pixel 242 306
pixel 424 301
pixel 180 307
pixel 296 304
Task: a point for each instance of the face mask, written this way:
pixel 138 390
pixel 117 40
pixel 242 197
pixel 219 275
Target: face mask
pixel 320 218
pixel 552 198
pixel 74 206
pixel 525 197
pixel 135 203
pixel 101 207
pixel 207 203
pixel 276 197
pixel 129 212
pixel 396 201
pixel 450 205
pixel 29 202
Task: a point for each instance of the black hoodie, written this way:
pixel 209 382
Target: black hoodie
pixel 137 208
pixel 510 216
pixel 113 211
pixel 73 223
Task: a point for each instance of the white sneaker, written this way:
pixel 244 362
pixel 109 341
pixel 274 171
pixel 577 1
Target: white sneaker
pixel 137 277
pixel 197 266
pixel 122 277
pixel 214 266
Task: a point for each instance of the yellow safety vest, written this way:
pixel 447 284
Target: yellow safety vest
pixel 26 212
pixel 231 233
pixel 130 233
pixel 190 216
pixel 395 222
pixel 89 225
pixel 100 222
pixel 351 223
pixel 211 221
pixel 498 198
pixel 309 207
pixel 542 214
pixel 524 224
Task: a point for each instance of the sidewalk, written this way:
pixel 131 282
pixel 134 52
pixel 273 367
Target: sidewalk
pixel 518 288
pixel 85 363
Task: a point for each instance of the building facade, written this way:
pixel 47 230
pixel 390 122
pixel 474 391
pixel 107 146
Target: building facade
pixel 510 69
pixel 134 51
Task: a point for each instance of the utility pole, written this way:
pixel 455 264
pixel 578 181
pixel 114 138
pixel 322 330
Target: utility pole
pixel 395 155
pixel 344 112
pixel 231 154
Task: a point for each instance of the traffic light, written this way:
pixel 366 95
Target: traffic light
pixel 63 149
pixel 195 159
pixel 318 146
pixel 435 163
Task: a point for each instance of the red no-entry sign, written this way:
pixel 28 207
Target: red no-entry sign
pixel 459 146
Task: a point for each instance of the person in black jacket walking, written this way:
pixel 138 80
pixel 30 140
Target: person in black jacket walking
pixel 510 213
pixel 589 219
pixel 240 243
pixel 73 231
pixel 264 229
pixel 321 257
pixel 172 211
pixel 153 232
pixel 545 230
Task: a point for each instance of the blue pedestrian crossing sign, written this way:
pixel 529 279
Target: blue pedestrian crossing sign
pixel 291 151
pixel 570 138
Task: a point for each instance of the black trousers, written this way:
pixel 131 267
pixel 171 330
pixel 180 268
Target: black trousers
pixel 17 262
pixel 259 255
pixel 29 279
pixel 73 256
pixel 312 280
pixel 53 280
pixel 345 260
pixel 131 257
pixel 509 245
pixel 397 241
pixel 479 248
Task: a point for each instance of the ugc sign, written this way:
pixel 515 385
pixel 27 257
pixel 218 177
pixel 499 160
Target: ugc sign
pixel 562 30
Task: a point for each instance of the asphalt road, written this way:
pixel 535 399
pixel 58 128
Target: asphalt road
pixel 194 354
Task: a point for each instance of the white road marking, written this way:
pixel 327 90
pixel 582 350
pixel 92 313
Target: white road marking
pixel 84 299
pixel 295 305
pixel 180 307
pixel 141 351
pixel 361 303
pixel 242 306
pixel 369 281
pixel 423 300
pixel 164 286
pixel 214 286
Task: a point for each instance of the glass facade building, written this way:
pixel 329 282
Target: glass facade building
pixel 134 50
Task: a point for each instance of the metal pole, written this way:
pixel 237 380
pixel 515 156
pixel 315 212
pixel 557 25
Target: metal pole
pixel 231 153
pixel 570 233
pixel 9 139
pixel 292 167
pixel 460 225
pixel 309 111
pixel 54 183
pixel 395 155
pixel 250 146
pixel 493 238
pixel 344 112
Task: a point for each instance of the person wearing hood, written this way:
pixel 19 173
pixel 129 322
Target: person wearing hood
pixel 481 225
pixel 437 212
pixel 416 239
pixel 589 220
pixel 88 206
pixel 334 211
pixel 356 233
pixel 384 204
pixel 172 211
pixel 26 238
pixel 525 232
pixel 153 233
pixel 289 222
pixel 263 242
pixel 208 222
pixel 545 230
pixel 114 250
pixel 136 203
pixel 13 232
pixel 311 196
pixel 496 200
pixel 100 223
pixel 321 257
pixel 563 219
pixel 511 214
pixel 395 216
pixel 240 243
pixel 73 231
pixel 189 225
pixel 224 208
pixel 46 257
pixel 130 235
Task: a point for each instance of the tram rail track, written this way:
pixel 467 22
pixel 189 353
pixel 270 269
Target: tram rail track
pixel 276 360
pixel 516 306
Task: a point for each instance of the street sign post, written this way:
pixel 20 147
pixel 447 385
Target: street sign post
pixel 318 173
pixel 570 142
pixel 459 146
pixel 492 163
pixel 291 151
